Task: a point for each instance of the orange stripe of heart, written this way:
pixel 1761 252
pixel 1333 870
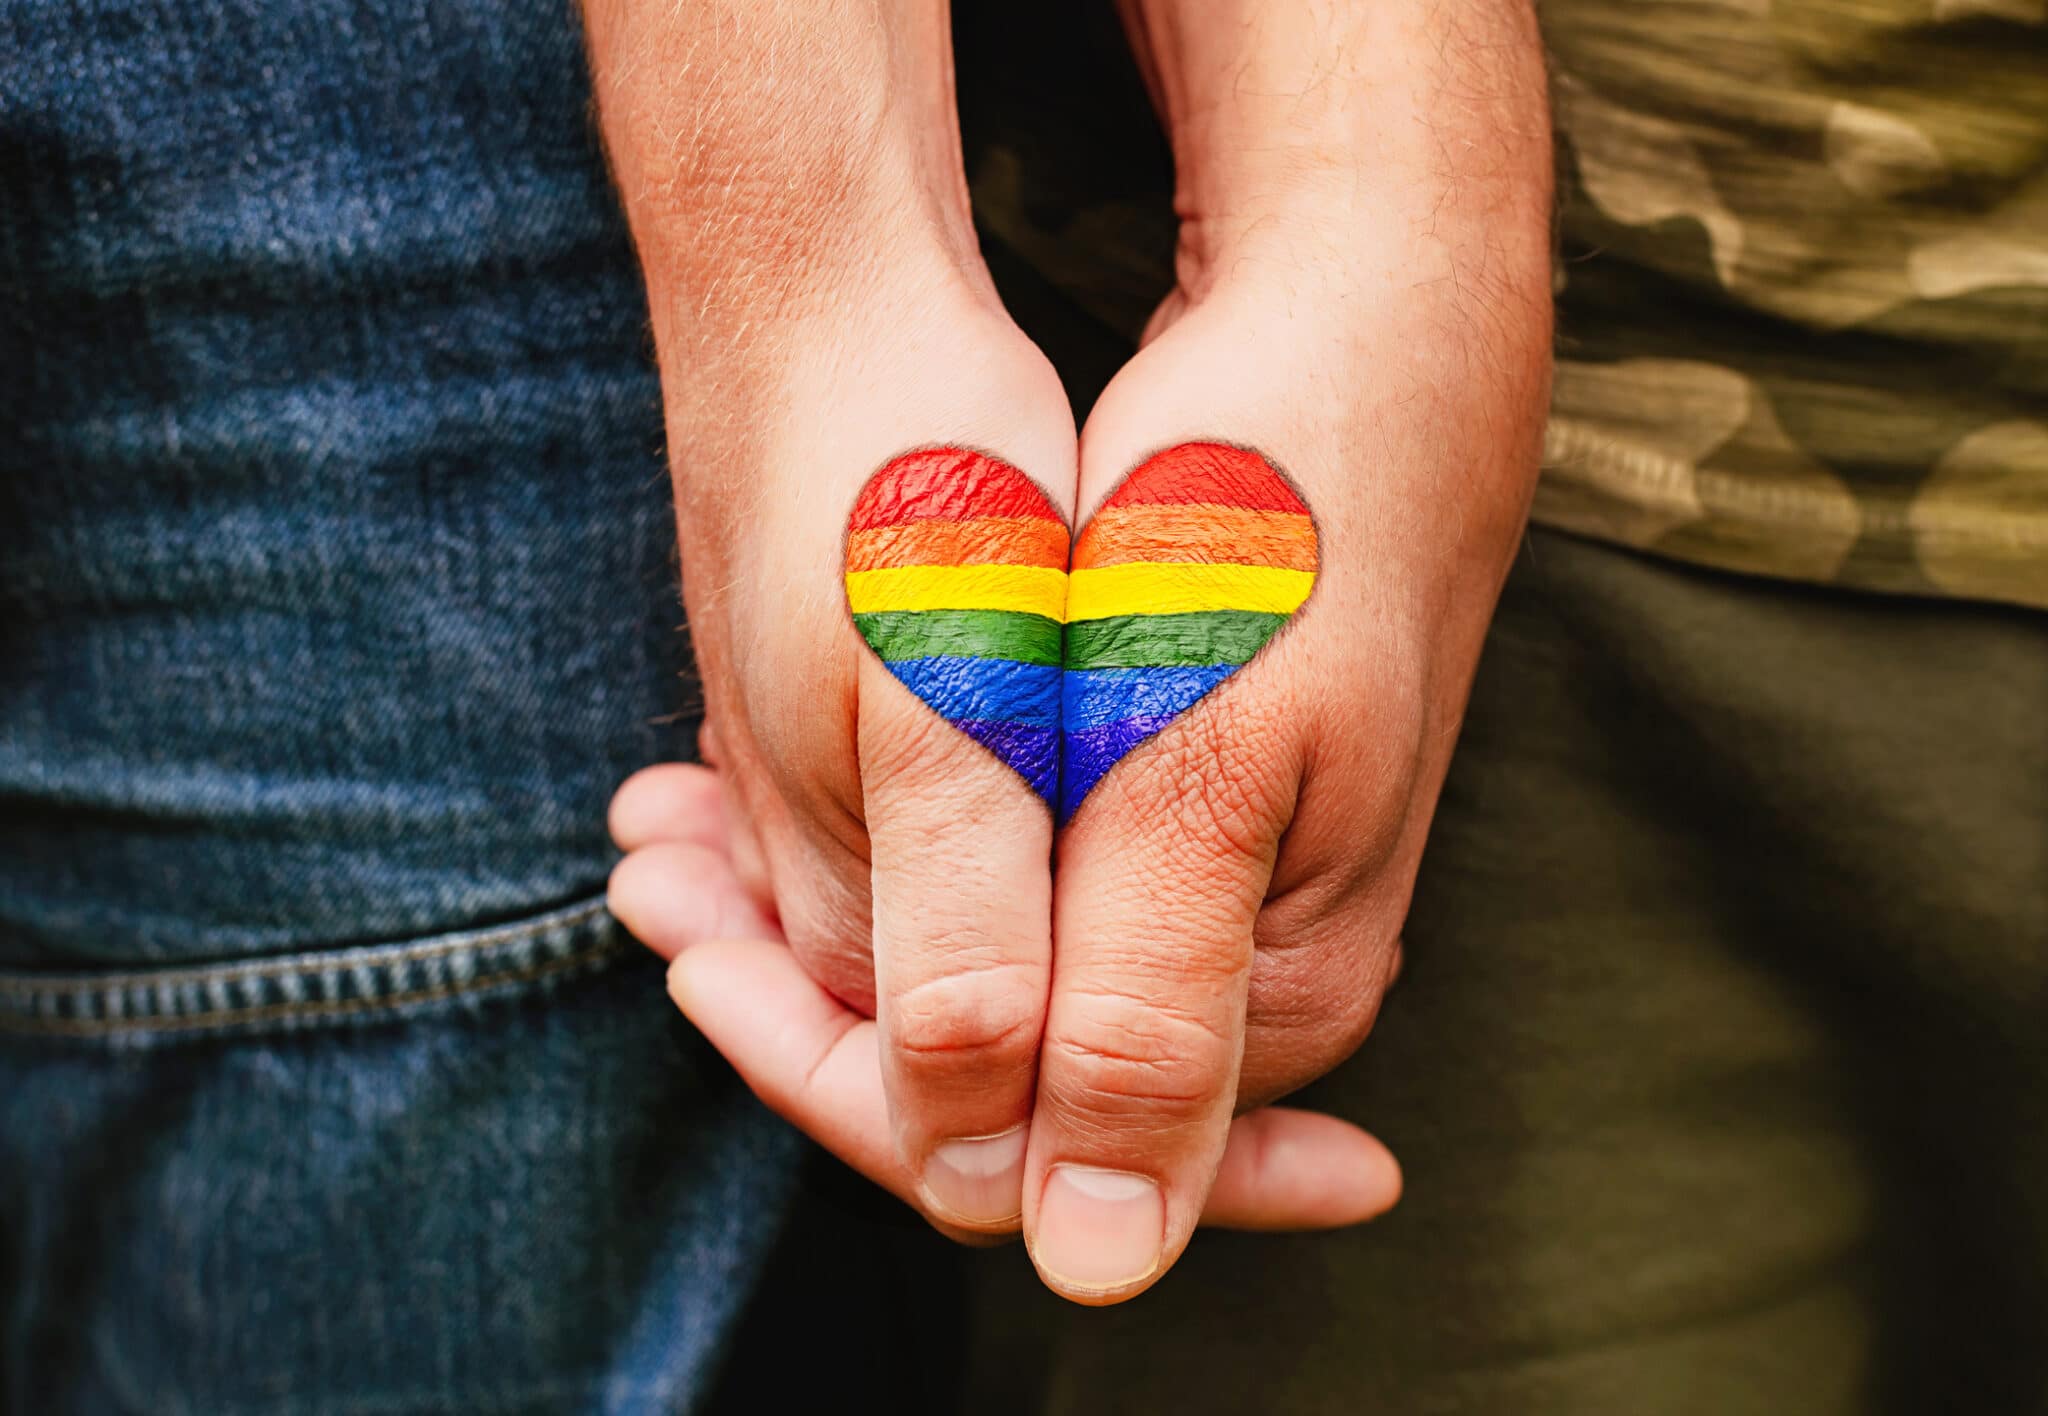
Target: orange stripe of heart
pixel 981 540
pixel 1217 535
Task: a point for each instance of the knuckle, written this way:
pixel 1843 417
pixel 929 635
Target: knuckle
pixel 1122 1058
pixel 968 1022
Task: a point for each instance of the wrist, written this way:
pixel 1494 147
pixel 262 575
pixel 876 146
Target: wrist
pixel 1357 127
pixel 773 158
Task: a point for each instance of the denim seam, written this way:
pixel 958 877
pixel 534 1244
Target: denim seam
pixel 303 1012
pixel 375 955
pixel 314 986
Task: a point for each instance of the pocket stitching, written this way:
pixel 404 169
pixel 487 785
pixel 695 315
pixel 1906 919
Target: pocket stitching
pixel 319 1011
pixel 361 955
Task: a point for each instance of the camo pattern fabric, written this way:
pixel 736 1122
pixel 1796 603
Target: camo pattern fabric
pixel 1803 293
pixel 1803 275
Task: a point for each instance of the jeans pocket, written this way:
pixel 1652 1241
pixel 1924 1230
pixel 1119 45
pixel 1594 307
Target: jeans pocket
pixel 317 988
pixel 472 1172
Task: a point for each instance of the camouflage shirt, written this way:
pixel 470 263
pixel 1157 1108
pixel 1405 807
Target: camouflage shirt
pixel 1803 301
pixel 1803 287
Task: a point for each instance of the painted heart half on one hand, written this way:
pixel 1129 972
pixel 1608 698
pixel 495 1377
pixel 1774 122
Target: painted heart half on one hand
pixel 957 574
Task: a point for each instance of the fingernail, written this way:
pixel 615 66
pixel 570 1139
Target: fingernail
pixel 979 1180
pixel 1099 1229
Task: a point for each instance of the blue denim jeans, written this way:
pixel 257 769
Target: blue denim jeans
pixel 336 594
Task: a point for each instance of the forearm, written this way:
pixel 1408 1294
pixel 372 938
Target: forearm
pixel 791 172
pixel 770 153
pixel 1364 192
pixel 1423 112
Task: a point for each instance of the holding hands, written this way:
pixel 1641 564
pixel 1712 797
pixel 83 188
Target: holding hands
pixel 1112 837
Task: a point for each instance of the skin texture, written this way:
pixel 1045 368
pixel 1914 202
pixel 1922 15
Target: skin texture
pixel 956 575
pixel 1168 598
pixel 817 1061
pixel 1363 297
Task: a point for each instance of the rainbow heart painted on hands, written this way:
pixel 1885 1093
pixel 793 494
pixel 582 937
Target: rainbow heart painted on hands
pixel 957 573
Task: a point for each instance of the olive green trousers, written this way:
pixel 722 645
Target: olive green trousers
pixel 1718 1070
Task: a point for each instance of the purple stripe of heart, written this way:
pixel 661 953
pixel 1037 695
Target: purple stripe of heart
pixel 1032 753
pixel 1091 752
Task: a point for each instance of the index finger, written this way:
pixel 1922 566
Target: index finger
pixel 1186 571
pixel 956 575
pixel 1158 886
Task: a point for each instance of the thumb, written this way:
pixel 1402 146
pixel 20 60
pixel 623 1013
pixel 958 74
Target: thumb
pixel 1160 881
pixel 956 575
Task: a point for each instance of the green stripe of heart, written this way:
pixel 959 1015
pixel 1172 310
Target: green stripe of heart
pixel 1169 641
pixel 973 634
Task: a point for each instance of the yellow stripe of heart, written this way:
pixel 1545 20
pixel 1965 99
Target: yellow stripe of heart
pixel 1152 588
pixel 1034 589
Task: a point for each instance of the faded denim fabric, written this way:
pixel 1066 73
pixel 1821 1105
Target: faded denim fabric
pixel 336 594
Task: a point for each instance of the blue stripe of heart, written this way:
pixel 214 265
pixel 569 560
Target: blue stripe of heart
pixel 1107 712
pixel 1060 730
pixel 985 690
pixel 1092 697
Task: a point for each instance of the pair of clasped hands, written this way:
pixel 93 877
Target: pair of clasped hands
pixel 1074 1031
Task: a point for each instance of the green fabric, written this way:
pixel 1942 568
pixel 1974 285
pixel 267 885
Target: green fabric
pixel 1803 286
pixel 1803 306
pixel 1718 1069
pixel 974 634
pixel 1160 641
